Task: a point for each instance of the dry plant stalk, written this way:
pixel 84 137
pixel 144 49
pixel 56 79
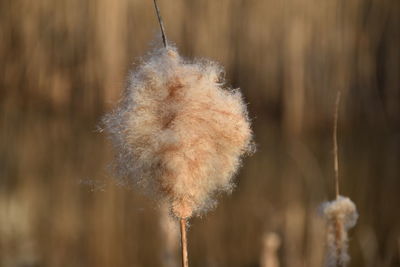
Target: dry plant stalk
pixel 269 255
pixel 335 145
pixel 340 214
pixel 170 233
pixel 179 133
pixel 185 260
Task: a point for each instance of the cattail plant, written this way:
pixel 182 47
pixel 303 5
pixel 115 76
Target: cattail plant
pixel 340 214
pixel 179 133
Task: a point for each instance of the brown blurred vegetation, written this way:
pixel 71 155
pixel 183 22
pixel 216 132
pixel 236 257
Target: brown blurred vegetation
pixel 64 64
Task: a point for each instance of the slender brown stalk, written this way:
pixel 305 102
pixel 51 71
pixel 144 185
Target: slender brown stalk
pixel 185 261
pixel 335 144
pixel 338 225
pixel 341 213
pixel 164 37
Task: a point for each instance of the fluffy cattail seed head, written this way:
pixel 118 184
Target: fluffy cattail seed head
pixel 179 134
pixel 341 215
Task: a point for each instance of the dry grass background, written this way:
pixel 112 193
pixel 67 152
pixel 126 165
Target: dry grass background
pixel 63 65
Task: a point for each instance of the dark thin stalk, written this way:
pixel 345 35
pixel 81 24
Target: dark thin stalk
pixel 164 37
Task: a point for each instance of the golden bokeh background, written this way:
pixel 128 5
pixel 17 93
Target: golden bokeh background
pixel 64 64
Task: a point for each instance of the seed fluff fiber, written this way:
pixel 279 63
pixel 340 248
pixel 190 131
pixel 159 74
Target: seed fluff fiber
pixel 178 133
pixel 341 215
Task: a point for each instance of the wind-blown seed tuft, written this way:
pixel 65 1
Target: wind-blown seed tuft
pixel 341 215
pixel 178 133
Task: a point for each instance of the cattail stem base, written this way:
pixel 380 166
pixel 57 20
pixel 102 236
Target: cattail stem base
pixel 185 261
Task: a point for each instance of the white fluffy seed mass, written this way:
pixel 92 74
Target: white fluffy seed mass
pixel 179 134
pixel 341 215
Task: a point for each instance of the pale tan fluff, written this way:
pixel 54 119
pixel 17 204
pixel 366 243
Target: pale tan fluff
pixel 341 215
pixel 178 132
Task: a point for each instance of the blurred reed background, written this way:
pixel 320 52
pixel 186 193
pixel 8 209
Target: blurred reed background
pixel 64 64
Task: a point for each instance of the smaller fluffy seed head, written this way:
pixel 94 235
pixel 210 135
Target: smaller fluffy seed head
pixel 179 134
pixel 341 215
